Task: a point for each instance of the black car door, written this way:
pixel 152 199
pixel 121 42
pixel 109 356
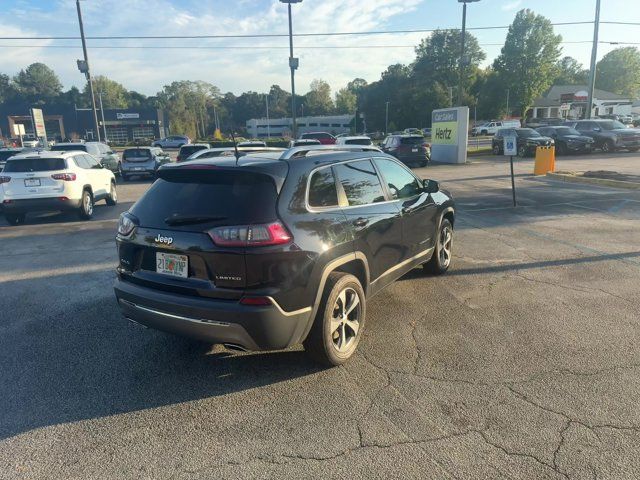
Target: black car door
pixel 374 221
pixel 417 207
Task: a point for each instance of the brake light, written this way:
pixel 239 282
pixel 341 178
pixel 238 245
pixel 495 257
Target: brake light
pixel 65 177
pixel 250 235
pixel 4 179
pixel 256 301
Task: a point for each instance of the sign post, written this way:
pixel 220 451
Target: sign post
pixel 39 129
pixel 511 149
pixel 449 135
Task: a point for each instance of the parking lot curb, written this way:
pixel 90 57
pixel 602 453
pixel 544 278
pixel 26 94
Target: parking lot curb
pixel 605 182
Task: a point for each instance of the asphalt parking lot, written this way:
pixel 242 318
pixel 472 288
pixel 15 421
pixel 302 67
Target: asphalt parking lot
pixel 521 362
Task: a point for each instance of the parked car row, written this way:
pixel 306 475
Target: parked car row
pixel 578 136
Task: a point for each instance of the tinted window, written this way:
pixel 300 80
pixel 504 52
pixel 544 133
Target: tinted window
pixel 4 154
pixel 322 189
pixel 527 132
pixel 81 161
pixel 585 126
pixel 234 198
pixel 401 183
pixel 360 182
pixel 412 140
pixel 91 161
pixel 614 124
pixel 137 153
pixel 358 141
pixel 65 147
pixel 562 131
pixel 316 135
pixel 35 165
pixel 187 151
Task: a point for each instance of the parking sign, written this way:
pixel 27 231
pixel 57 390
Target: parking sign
pixel 510 146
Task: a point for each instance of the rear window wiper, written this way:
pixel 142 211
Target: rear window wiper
pixel 191 219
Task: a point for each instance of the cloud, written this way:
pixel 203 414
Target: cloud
pixel 509 6
pixel 259 63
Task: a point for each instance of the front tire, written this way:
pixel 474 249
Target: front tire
pixel 86 206
pixel 441 258
pixel 15 218
pixel 608 147
pixel 522 151
pixel 496 149
pixel 112 198
pixel 339 322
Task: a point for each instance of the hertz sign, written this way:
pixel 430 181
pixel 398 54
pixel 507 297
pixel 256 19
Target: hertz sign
pixel 449 135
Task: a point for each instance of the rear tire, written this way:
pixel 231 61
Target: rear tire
pixel 608 147
pixel 496 149
pixel 441 258
pixel 15 218
pixel 112 198
pixel 522 151
pixel 85 212
pixel 339 323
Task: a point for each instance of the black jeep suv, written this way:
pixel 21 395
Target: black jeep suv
pixel 277 249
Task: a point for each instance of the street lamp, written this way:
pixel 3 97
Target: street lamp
pixel 293 64
pixel 386 119
pixel 462 56
pixel 83 66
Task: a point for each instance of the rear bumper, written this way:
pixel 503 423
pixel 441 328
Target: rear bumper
pixel 139 170
pixel 214 321
pixel 39 205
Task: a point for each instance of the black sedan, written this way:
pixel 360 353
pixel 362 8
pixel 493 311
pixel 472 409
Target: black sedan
pixel 527 140
pixel 568 140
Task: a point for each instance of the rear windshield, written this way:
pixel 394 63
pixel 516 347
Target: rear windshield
pixel 35 165
pixel 358 141
pixel 315 135
pixel 136 153
pixel 192 149
pixel 412 140
pixel 229 198
pixel 61 147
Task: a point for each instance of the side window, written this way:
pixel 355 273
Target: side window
pixel 80 161
pixel 583 126
pixel 322 189
pixel 91 161
pixel 401 183
pixel 360 182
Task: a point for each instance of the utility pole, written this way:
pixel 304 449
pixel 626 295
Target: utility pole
pixel 508 92
pixel 594 57
pixel 293 64
pixel 87 71
pixel 104 125
pixel 451 96
pixel 463 59
pixel 386 120
pixel 266 98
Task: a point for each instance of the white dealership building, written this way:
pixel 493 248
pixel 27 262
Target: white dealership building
pixel 570 101
pixel 282 127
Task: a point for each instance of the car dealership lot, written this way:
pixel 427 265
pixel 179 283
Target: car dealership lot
pixel 521 362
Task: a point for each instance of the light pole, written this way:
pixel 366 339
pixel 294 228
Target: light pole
pixel 463 60
pixel 386 119
pixel 508 92
pixel 84 68
pixel 293 64
pixel 104 125
pixel 594 56
pixel 266 99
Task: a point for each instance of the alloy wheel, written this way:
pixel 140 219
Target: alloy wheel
pixel 445 242
pixel 88 204
pixel 345 319
pixel 113 193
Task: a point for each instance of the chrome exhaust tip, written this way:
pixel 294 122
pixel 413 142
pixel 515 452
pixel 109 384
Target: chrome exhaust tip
pixel 235 347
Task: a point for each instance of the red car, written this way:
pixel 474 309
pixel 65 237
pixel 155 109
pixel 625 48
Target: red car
pixel 323 137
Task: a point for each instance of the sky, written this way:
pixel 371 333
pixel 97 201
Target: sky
pixel 243 64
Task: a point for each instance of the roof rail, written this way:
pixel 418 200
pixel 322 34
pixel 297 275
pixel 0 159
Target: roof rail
pixel 303 151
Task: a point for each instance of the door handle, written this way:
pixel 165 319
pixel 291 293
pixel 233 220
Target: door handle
pixel 360 222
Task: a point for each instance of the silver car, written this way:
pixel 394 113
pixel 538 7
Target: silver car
pixel 173 141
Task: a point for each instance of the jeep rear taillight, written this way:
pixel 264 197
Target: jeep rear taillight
pixel 65 177
pixel 250 235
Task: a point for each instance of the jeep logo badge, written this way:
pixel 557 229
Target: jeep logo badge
pixel 165 240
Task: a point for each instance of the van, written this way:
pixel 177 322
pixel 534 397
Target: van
pixel 490 128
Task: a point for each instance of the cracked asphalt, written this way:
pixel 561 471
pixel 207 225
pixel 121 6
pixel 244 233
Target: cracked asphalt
pixel 522 362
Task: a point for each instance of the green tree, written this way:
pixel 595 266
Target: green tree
pixel 570 72
pixel 279 102
pixel 346 101
pixel 38 84
pixel 318 100
pixel 114 95
pixel 619 72
pixel 357 85
pixel 7 90
pixel 528 59
pixel 186 105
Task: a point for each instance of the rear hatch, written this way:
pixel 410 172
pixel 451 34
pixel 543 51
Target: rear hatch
pixel 173 249
pixel 137 159
pixel 33 177
pixel 413 146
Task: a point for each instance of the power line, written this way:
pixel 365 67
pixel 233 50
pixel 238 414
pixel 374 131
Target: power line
pixel 275 35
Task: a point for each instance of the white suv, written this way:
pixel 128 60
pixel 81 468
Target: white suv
pixel 46 181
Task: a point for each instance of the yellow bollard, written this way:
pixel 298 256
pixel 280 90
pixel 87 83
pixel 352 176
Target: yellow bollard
pixel 545 160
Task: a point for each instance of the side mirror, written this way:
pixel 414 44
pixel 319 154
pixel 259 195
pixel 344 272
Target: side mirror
pixel 431 186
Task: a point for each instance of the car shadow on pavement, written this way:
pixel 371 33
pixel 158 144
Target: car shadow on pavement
pixel 100 212
pixel 77 361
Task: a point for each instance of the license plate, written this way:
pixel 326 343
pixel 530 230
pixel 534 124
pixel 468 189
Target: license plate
pixel 414 150
pixel 137 169
pixel 171 264
pixel 31 182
